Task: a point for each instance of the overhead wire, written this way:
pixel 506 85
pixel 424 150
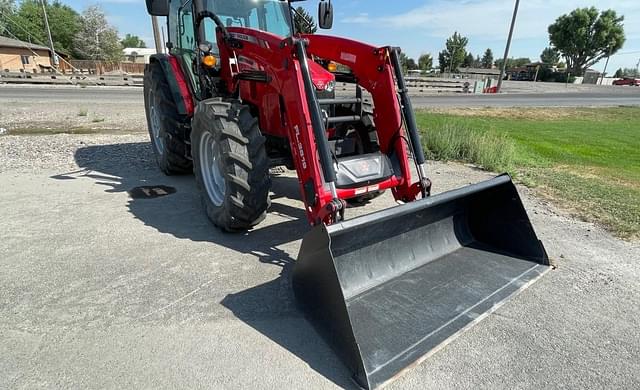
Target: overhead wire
pixel 35 38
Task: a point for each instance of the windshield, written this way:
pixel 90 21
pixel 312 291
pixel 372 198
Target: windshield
pixel 266 15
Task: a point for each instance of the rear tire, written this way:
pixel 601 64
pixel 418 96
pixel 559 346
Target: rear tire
pixel 230 164
pixel 166 126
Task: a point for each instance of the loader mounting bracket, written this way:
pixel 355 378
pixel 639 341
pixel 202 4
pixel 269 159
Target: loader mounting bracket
pixel 332 212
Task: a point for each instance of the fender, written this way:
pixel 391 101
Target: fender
pixel 177 82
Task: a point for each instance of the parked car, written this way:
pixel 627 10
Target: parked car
pixel 627 81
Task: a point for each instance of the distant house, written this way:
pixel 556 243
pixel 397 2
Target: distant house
pixel 526 72
pixel 591 76
pixel 137 55
pixel 19 56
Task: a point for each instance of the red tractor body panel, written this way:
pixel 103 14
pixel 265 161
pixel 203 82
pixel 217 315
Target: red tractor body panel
pixel 284 108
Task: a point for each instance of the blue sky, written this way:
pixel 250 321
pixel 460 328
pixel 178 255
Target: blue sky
pixel 421 26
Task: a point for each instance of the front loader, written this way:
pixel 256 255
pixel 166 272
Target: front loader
pixel 241 91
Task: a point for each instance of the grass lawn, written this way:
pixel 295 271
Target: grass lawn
pixel 587 159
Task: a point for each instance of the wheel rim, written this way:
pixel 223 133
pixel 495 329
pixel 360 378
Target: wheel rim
pixel 156 137
pixel 211 175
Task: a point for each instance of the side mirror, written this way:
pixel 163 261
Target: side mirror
pixel 325 14
pixel 158 7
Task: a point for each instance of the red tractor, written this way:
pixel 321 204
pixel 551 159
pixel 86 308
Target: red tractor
pixel 241 91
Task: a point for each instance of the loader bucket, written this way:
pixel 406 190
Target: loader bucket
pixel 388 289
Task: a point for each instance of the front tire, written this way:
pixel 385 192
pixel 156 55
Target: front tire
pixel 230 164
pixel 165 124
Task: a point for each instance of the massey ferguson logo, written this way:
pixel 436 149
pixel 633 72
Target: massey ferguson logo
pixel 244 37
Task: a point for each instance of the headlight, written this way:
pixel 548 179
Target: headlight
pixel 331 85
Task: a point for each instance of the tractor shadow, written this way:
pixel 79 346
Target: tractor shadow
pixel 269 308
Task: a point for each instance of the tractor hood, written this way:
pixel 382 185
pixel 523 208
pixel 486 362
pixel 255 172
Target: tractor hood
pixel 320 76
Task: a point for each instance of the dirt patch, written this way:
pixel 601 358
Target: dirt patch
pixel 546 114
pixel 52 130
pixel 590 198
pixel 597 173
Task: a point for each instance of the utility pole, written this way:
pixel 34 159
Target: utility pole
pixel 638 68
pixel 164 39
pixel 54 56
pixel 604 72
pixel 506 49
pixel 156 35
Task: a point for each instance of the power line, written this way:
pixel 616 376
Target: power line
pixel 626 52
pixel 37 40
pixel 46 24
pixel 29 34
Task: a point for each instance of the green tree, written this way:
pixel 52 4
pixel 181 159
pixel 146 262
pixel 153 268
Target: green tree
pixel 550 56
pixel 586 36
pixel 469 61
pixel 132 41
pixel 626 72
pixel 7 10
pixel 514 62
pixel 487 59
pixel 304 22
pixel 27 23
pixel 407 63
pixel 411 64
pixel 454 53
pixel 97 40
pixel 64 22
pixel 425 62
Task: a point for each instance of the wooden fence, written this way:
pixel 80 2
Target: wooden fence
pixel 90 67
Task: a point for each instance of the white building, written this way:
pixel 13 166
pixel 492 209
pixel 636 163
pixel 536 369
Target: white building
pixel 137 55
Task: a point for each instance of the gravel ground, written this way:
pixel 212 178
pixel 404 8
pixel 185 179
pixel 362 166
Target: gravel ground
pixel 100 290
pixel 30 153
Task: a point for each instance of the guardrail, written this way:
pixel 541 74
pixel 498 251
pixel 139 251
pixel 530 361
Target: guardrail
pixel 74 79
pixel 420 85
pixel 416 85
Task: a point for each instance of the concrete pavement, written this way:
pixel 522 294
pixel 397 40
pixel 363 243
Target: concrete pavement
pixel 100 290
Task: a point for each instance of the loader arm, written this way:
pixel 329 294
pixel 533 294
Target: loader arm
pixel 286 107
pixel 373 69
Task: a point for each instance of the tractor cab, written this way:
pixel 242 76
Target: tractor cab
pixel 195 26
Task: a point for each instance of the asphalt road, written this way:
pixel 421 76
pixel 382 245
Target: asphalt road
pixel 133 95
pixel 583 99
pixel 102 290
pixel 68 94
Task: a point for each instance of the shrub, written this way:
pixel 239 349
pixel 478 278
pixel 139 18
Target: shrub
pixel 453 142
